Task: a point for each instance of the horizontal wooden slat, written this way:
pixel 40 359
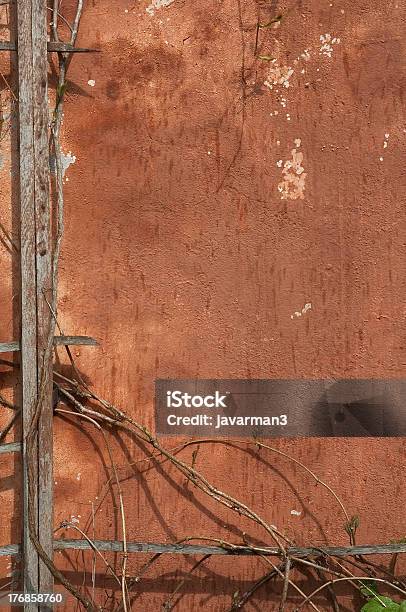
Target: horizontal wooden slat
pixel 12 347
pixel 10 447
pixel 10 550
pixel 9 347
pixel 191 549
pixel 75 340
pixel 53 47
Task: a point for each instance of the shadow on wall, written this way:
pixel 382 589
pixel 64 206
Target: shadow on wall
pixel 360 409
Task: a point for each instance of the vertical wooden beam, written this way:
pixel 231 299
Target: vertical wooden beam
pixel 35 276
pixel 44 281
pixel 28 270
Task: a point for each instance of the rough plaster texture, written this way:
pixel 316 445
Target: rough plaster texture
pixel 192 247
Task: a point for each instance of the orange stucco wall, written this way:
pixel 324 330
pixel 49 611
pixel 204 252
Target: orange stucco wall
pixel 189 246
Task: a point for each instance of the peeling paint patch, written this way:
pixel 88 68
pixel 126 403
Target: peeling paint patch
pixel 293 181
pixel 157 4
pixel 279 75
pixel 295 513
pixel 66 159
pixel 327 44
pixel 305 55
pixel 299 313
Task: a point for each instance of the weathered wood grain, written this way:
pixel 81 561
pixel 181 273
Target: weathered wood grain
pixel 11 447
pixel 192 549
pixel 195 549
pixel 52 47
pixel 43 252
pixel 9 550
pixel 12 347
pixel 9 347
pixel 36 364
pixel 28 271
pixel 75 340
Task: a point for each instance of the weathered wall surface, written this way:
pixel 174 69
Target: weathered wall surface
pixel 192 247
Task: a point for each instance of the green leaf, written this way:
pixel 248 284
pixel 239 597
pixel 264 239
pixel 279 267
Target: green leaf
pixel 375 605
pixel 402 607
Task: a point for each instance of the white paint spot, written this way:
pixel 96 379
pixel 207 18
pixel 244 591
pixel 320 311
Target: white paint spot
pixel 79 476
pixel 208 152
pixel 67 159
pixel 295 513
pixel 157 4
pixel 327 44
pixel 91 82
pixel 381 159
pixel 293 181
pixel 279 163
pixel 279 75
pixel 74 519
pixel 299 313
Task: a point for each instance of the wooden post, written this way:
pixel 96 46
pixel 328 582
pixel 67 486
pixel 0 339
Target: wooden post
pixel 36 259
